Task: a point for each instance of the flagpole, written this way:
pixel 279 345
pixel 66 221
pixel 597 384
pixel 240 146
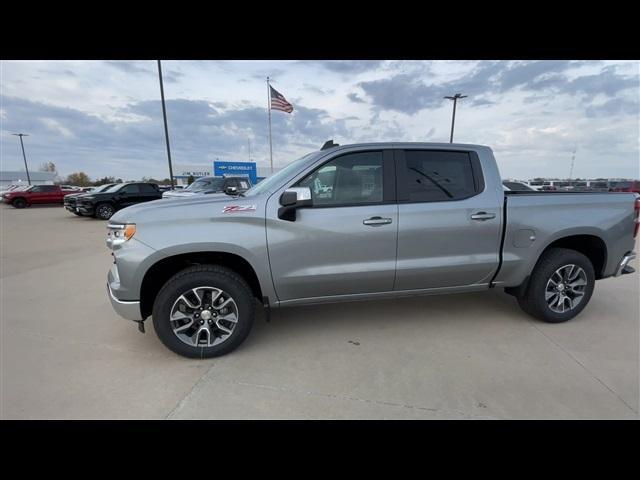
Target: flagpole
pixel 269 106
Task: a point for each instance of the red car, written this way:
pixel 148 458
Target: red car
pixel 37 194
pixel 630 186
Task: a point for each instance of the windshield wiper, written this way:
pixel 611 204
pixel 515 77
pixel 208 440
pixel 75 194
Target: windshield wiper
pixel 444 190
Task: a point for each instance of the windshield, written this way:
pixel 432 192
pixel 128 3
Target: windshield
pixel 213 184
pixel 114 188
pixel 273 181
pixel 101 188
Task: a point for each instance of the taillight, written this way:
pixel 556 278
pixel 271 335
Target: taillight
pixel 637 219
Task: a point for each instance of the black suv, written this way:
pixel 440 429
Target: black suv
pixel 231 184
pixel 70 200
pixel 104 204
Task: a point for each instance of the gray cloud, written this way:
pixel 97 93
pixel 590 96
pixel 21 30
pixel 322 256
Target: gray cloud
pixel 407 93
pixel 346 66
pixel 615 106
pixel 132 67
pixel 199 131
pixel 355 98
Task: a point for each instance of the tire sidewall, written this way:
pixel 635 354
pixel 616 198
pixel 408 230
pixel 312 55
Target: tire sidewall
pixel 19 203
pixel 545 269
pixel 185 281
pixel 102 205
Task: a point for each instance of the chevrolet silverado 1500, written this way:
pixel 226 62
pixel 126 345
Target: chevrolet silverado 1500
pixel 360 222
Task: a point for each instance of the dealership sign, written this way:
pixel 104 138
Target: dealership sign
pixel 195 171
pixel 236 168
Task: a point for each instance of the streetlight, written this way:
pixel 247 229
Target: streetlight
pixel 23 154
pixel 166 128
pixel 453 119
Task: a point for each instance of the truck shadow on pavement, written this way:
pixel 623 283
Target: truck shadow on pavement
pixel 417 315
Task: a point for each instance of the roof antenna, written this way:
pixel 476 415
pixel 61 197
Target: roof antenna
pixel 329 144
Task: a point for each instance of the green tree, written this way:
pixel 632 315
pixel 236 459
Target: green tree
pixel 190 179
pixel 79 179
pixel 104 181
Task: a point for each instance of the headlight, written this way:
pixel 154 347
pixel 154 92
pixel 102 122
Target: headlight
pixel 117 234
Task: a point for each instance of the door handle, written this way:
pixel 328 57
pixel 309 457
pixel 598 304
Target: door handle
pixel 483 216
pixel 376 221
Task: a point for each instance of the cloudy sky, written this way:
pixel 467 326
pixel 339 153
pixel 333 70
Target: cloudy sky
pixel 105 117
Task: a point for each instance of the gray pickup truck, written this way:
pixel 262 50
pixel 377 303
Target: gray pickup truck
pixel 358 222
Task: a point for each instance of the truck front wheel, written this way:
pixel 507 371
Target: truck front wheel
pixel 19 202
pixel 203 311
pixel 104 211
pixel 560 286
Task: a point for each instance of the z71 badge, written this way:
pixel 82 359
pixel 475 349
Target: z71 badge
pixel 239 208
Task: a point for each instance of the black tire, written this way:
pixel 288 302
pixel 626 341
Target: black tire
pixel 533 301
pixel 77 213
pixel 197 276
pixel 104 211
pixel 19 202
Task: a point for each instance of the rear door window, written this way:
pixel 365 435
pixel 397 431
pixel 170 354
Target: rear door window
pixel 134 188
pixel 434 176
pixel 146 188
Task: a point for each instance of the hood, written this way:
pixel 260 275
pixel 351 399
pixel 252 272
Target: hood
pixel 177 208
pixel 179 193
pixel 97 195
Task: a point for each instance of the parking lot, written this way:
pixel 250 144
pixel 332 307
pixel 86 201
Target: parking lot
pixel 67 355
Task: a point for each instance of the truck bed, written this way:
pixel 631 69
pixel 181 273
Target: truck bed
pixel 529 217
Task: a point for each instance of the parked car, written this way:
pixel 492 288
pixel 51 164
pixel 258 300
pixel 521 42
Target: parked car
pixel 70 201
pixel 36 194
pixel 401 219
pixel 517 186
pixel 630 186
pixel 13 188
pixel 104 204
pixel 231 184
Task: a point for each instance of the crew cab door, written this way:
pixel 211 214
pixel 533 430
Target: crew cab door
pixel 346 242
pixel 128 195
pixel 449 220
pixel 43 194
pixel 149 192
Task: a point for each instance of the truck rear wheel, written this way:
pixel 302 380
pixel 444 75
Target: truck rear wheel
pixel 560 286
pixel 203 311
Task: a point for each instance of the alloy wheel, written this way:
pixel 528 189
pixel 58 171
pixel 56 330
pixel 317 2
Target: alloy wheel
pixel 204 316
pixel 565 288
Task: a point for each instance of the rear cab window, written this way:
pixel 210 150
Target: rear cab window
pixel 437 175
pixel 148 188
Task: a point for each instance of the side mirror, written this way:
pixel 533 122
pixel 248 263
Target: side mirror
pixel 231 190
pixel 291 200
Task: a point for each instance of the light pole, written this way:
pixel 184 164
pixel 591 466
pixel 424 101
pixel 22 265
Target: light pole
pixel 166 128
pixel 453 118
pixel 23 154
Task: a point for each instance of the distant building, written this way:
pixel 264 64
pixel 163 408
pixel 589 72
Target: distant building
pixel 20 178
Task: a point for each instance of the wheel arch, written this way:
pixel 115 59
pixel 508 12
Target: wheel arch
pixel 591 246
pixel 158 274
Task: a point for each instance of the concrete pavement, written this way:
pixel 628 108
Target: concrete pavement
pixel 66 355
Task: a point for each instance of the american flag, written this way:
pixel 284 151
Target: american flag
pixel 278 102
